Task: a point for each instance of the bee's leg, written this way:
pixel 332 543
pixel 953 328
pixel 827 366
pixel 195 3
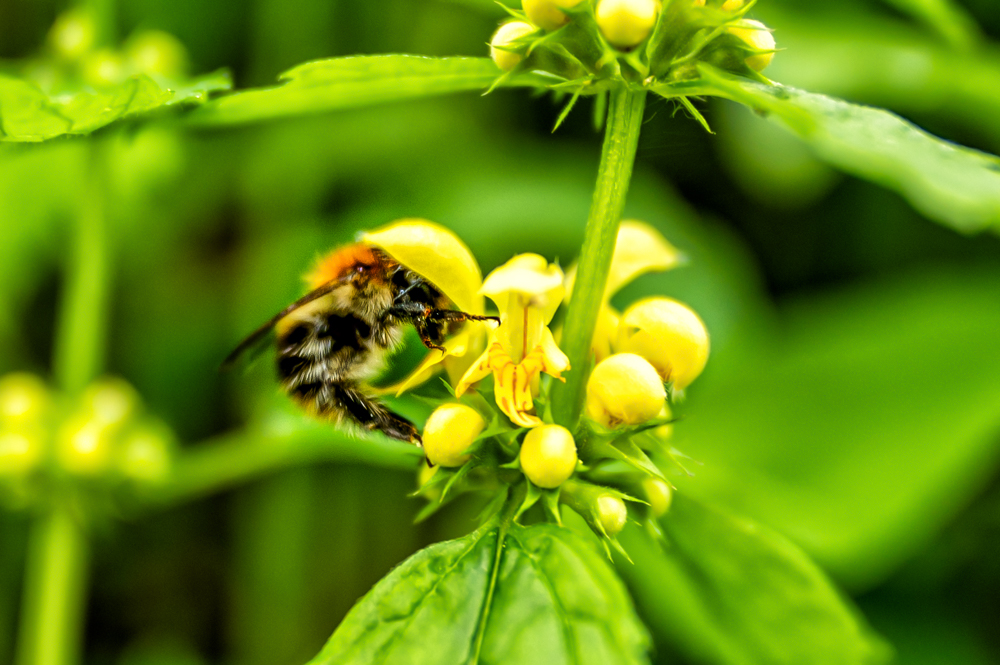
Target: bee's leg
pixel 455 315
pixel 371 414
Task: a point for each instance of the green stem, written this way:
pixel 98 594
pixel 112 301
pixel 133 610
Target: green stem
pixel 105 23
pixel 234 459
pixel 79 346
pixel 56 569
pixel 54 590
pixel 617 157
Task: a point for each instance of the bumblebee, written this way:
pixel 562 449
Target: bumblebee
pixel 337 336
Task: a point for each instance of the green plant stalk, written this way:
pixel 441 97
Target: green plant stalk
pixel 54 589
pixel 621 136
pixel 56 568
pixel 105 23
pixel 82 322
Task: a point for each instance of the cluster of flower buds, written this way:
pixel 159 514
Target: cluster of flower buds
pixel 585 44
pixel 74 56
pixel 100 438
pixel 498 432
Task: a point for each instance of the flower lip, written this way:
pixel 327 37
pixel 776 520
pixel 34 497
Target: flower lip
pixel 530 274
pixel 435 253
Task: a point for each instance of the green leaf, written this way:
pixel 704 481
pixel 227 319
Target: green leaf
pixel 27 114
pixel 539 594
pixel 949 183
pixel 865 57
pixel 947 18
pixel 865 426
pixel 728 591
pixel 352 82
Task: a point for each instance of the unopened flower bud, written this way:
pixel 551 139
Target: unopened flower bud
pixel 20 450
pixel 667 334
pixel 104 68
pixel 110 402
pixel 626 23
pixel 658 494
pixel 624 389
pixel 23 398
pixel 731 5
pixel 73 33
pixel 548 456
pixel 84 446
pixel 449 432
pixel 611 514
pixel 156 52
pixel 424 476
pixel 145 454
pixel 548 14
pixel 757 35
pixel 503 38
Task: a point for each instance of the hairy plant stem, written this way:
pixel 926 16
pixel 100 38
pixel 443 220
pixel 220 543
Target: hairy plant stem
pixel 621 135
pixel 54 593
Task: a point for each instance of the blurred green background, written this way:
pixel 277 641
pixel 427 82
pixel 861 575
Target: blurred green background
pixel 852 401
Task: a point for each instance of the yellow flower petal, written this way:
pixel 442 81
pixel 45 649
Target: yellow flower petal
pixel 605 333
pixel 639 249
pixel 434 252
pixel 525 273
pixel 624 389
pixel 555 361
pixel 669 335
pixel 478 371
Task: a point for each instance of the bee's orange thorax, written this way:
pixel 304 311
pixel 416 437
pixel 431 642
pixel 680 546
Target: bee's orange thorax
pixel 340 262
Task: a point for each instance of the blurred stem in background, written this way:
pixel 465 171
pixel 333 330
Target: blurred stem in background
pixel 617 157
pixel 103 12
pixel 56 569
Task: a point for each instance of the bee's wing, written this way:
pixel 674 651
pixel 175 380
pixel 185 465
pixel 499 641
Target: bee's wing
pixel 256 342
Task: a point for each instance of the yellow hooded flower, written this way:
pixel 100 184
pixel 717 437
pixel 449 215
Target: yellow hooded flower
pixel 639 249
pixel 527 291
pixel 435 253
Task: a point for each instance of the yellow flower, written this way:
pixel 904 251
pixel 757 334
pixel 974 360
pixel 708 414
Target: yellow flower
pixel 504 40
pixel 449 433
pixel 639 249
pixel 548 456
pixel 624 390
pixel 548 14
pixel 435 253
pixel 667 334
pixel 527 291
pixel 626 23
pixel 658 494
pixel 611 514
pixel 758 37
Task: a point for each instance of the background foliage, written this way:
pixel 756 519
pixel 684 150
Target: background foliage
pixel 851 403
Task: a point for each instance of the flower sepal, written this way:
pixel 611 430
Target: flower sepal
pixel 602 508
pixel 595 444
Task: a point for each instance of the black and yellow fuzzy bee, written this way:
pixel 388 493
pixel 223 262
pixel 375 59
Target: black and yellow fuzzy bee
pixel 337 336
